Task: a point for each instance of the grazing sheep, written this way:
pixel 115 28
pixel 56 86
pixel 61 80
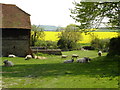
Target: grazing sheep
pixel 64 56
pixel 83 49
pixel 75 56
pixel 28 57
pixel 69 61
pixel 39 57
pixel 11 55
pixel 83 60
pixel 8 63
pixel 99 53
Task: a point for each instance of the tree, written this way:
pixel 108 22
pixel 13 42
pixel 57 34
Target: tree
pixel 91 14
pixel 59 29
pixel 69 37
pixel 100 44
pixel 37 33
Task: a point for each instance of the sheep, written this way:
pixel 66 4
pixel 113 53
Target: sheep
pixel 99 53
pixel 75 56
pixel 69 61
pixel 8 63
pixel 11 55
pixel 83 49
pixel 83 60
pixel 64 56
pixel 28 57
pixel 39 57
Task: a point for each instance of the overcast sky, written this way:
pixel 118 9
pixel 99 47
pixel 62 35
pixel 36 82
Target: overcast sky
pixel 46 12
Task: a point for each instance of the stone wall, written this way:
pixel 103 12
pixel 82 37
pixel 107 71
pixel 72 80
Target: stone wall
pixel 47 51
pixel 16 42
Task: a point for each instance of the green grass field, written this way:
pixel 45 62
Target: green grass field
pixel 101 72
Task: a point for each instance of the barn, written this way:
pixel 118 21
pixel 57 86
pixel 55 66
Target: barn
pixel 16 28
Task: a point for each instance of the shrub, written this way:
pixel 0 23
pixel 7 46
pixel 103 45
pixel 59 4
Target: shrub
pixel 114 47
pixel 46 44
pixel 100 44
pixel 88 47
pixel 65 44
pixel 41 43
pixel 51 44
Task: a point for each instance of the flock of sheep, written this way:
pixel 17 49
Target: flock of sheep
pixel 9 63
pixel 80 60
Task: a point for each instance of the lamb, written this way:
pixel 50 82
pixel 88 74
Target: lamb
pixel 64 56
pixel 69 61
pixel 11 55
pixel 83 60
pixel 8 63
pixel 99 53
pixel 75 56
pixel 28 57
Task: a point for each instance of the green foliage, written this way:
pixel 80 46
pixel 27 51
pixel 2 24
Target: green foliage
pixel 69 38
pixel 85 44
pixel 65 44
pixel 38 33
pixel 41 43
pixel 46 44
pixel 114 47
pixel 51 45
pixel 44 55
pixel 71 32
pixel 100 44
pixel 91 14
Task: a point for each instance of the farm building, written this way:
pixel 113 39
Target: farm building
pixel 16 28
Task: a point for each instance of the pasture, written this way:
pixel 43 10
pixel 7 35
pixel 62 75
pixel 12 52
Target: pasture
pixel 101 72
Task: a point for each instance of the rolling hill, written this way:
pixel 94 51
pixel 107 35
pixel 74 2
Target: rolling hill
pixel 49 27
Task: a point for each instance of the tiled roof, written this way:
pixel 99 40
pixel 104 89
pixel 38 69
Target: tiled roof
pixel 14 17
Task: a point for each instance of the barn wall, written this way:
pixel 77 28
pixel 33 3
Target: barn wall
pixel 0 32
pixel 15 41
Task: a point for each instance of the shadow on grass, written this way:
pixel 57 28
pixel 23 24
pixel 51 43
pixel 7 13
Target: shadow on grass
pixel 98 67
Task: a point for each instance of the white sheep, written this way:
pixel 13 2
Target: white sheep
pixel 64 56
pixel 11 55
pixel 69 61
pixel 83 60
pixel 8 63
pixel 83 49
pixel 39 57
pixel 99 53
pixel 28 57
pixel 75 56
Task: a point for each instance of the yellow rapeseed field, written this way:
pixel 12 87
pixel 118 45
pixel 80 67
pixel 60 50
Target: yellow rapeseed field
pixel 53 36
